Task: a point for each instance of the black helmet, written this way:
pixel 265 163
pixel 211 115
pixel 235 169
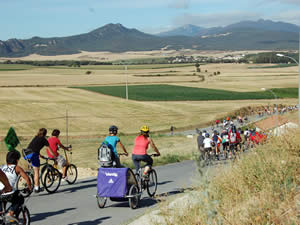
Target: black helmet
pixel 113 129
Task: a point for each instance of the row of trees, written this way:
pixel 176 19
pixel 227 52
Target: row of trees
pixel 71 63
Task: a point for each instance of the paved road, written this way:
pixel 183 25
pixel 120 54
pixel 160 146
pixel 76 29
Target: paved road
pixel 76 204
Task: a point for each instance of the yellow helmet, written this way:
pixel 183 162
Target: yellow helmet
pixel 145 129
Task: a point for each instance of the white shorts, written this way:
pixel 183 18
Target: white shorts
pixel 61 161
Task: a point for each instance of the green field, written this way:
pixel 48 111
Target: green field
pixel 179 93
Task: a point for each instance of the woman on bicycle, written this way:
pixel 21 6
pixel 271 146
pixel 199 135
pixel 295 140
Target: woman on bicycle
pixel 139 152
pixel 37 143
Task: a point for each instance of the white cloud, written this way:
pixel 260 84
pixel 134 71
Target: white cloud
pixel 215 19
pixel 180 4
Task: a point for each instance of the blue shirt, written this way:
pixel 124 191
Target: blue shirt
pixel 112 141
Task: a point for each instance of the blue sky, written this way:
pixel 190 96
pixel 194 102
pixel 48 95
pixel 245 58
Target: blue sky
pixel 57 18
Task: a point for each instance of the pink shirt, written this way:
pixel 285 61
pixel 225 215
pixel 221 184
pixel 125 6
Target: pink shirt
pixel 141 145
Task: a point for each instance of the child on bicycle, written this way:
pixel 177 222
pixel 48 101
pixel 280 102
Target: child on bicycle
pixel 139 152
pixel 54 143
pixel 112 139
pixel 12 171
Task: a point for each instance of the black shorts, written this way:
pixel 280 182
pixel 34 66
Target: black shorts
pixel 145 158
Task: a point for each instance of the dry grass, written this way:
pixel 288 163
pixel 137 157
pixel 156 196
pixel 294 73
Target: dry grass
pixel 28 109
pixel 261 188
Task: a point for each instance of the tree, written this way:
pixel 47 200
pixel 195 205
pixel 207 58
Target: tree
pixel 197 65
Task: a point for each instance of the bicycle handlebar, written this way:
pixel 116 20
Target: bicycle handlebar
pixel 154 155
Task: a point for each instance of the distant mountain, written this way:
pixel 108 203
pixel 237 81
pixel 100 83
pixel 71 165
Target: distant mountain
pixel 246 35
pixel 186 30
pixel 267 25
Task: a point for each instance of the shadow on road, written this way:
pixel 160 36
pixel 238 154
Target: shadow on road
pixel 144 202
pixel 42 216
pixel 91 222
pixel 164 182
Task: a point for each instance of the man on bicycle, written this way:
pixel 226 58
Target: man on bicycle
pixel 139 152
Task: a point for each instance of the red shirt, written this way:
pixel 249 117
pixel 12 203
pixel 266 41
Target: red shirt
pixel 140 145
pixel 54 142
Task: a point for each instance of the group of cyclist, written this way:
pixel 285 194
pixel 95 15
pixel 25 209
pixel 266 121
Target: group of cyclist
pixel 11 170
pixel 230 139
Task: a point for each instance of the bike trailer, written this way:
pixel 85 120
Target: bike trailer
pixel 114 182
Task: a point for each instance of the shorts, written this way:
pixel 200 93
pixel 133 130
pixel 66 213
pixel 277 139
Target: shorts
pixel 34 158
pixel 61 161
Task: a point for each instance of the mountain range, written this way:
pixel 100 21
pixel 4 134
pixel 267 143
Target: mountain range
pixel 245 35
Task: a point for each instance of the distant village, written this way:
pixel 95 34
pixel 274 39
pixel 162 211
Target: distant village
pixel 202 59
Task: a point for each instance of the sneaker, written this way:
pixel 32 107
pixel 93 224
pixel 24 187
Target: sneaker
pixel 65 179
pixel 38 190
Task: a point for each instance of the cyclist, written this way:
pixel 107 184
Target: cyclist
pixel 37 143
pixel 112 141
pixel 217 140
pixel 54 143
pixel 139 152
pixel 12 170
pixel 234 139
pixel 207 144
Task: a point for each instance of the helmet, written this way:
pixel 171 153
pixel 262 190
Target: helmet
pixel 144 129
pixel 207 135
pixel 113 129
pixel 204 131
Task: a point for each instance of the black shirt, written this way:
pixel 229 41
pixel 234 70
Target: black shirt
pixel 37 144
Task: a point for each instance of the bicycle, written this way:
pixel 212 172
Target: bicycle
pixel 50 178
pixel 71 169
pixel 149 183
pixel 22 218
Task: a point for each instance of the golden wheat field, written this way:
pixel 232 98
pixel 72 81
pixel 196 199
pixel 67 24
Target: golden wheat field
pixel 39 97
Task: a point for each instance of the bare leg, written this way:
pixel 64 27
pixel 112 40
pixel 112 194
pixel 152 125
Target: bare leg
pixel 147 169
pixel 36 176
pixel 64 171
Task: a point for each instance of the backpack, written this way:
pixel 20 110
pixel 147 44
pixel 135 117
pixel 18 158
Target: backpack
pixel 105 155
pixel 233 137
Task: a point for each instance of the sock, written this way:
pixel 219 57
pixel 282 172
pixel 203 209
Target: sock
pixel 36 187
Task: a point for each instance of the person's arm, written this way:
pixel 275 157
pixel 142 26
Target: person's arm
pixel 154 147
pixel 20 171
pixel 123 147
pixel 5 182
pixel 62 146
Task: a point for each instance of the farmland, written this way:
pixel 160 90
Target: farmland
pixel 36 97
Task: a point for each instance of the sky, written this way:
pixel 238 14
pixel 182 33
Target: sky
pixel 24 19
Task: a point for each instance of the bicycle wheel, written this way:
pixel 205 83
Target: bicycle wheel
pixel 42 175
pixel 24 216
pixel 52 180
pixel 101 201
pixel 71 173
pixel 151 184
pixel 134 198
pixel 22 186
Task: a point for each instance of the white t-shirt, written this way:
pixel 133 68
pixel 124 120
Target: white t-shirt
pixel 10 172
pixel 207 143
